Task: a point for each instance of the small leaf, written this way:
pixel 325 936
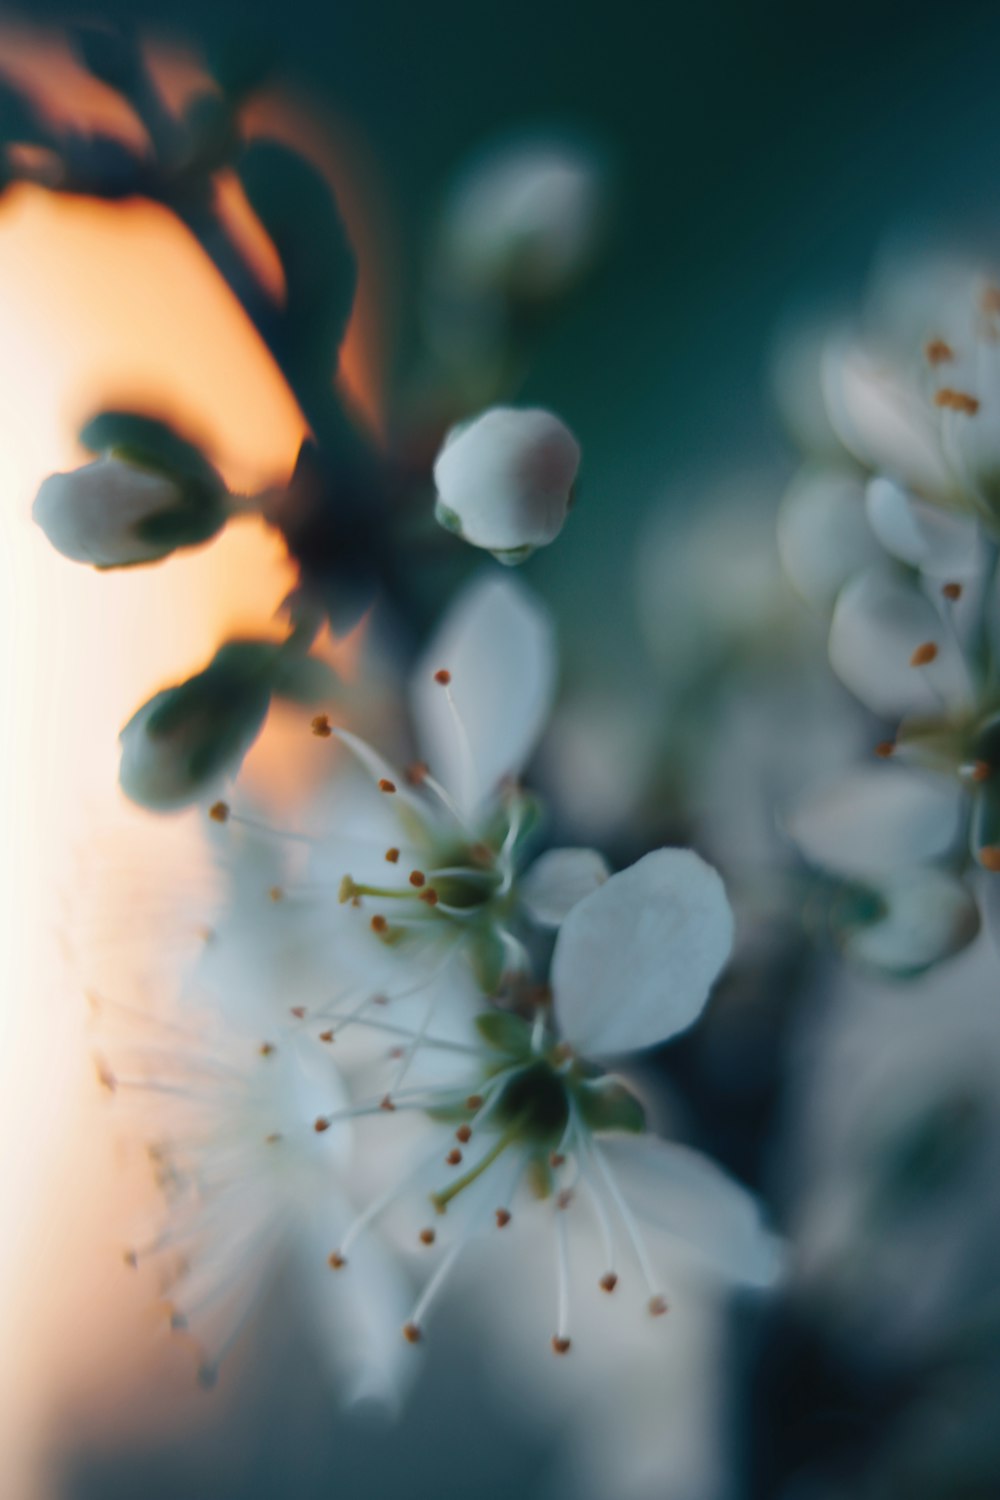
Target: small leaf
pixel 153 444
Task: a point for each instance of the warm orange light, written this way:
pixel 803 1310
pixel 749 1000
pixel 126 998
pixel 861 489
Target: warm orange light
pixel 98 304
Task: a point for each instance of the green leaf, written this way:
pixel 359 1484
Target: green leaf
pixel 154 444
pixel 295 205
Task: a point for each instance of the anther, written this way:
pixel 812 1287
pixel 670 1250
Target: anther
pixel 953 400
pixel 219 812
pixel 336 1261
pixel 267 1049
pixel 557 1159
pixel 299 1012
pixel 938 352
pixel 463 1133
pixel 502 1217
pixel 417 772
pixel 608 1281
pixel 430 895
pixel 412 1333
pixel 321 726
pixel 560 1345
pixel 951 590
pixel 428 1236
pixel 474 1101
pixel 454 1157
pixel 924 655
pixel 385 785
pixel 418 878
pixel 326 1036
pixel 378 923
pixel 273 1138
pixel 442 677
pixel 981 770
pixel 392 855
pixel 885 748
pixel 564 1199
pixel 276 894
pixel 320 1124
pixel 386 1103
pixel 989 858
pixel 347 890
pixel 657 1306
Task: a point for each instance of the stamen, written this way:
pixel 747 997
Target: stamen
pixel 938 352
pixel 321 726
pixel 427 1236
pixel 418 878
pixel 454 1157
pixel 385 785
pixel 502 1217
pixel 885 748
pixel 464 1134
pixel 467 761
pixel 392 856
pixel 952 591
pixel 379 924
pixel 219 812
pixel 981 771
pixel 561 1339
pixel 924 655
pixel 953 400
pixel 412 1329
pixel 989 858
pixel 443 677
pixel 631 1228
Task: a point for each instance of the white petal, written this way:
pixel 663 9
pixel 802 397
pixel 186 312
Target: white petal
pixel 684 1194
pixel 885 423
pixel 823 534
pixel 878 623
pixel 942 542
pixel 497 642
pixel 877 820
pixel 559 879
pixel 928 915
pixel 634 961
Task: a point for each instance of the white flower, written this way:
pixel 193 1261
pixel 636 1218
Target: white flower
pixel 519 1125
pixel 505 480
pixel 526 218
pixel 248 1184
pixel 116 514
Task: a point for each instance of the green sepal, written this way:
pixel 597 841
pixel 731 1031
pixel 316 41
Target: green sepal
pixel 488 956
pixel 153 444
pixel 609 1105
pixel 504 1032
pixel 305 680
pixel 448 518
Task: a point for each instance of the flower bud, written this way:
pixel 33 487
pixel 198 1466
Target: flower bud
pixel 505 481
pixel 114 514
pixel 526 219
pixel 187 738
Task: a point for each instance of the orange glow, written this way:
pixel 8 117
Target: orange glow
pixel 99 304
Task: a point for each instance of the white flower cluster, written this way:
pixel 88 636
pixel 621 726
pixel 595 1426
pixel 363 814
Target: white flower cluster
pixel 893 528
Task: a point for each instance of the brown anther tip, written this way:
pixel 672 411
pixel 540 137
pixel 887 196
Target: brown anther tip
pixel 981 770
pixel 557 1159
pixel 396 1052
pixel 386 1103
pixel 417 772
pixel 454 1157
pixel 219 812
pixel 428 1236
pixel 564 1199
pixel 379 1000
pixel 276 894
pixel 885 748
pixel 412 1333
pixel 385 785
pixel 463 1133
pixel 335 1260
pixel 321 1124
pixel 502 1217
pixel 131 1259
pixel 938 352
pixel 299 1012
pixel 990 300
pixel 267 1049
pixel 474 1101
pixel 608 1281
pixel 321 726
pixel 560 1345
pixel 430 895
pixel 326 1036
pixel 924 655
pixel 392 855
pixel 378 923
pixel 657 1306
pixel 105 1076
pixel 273 1138
pixel 989 858
pixel 418 878
pixel 951 590
pixel 953 400
pixel 442 676
pixel 480 854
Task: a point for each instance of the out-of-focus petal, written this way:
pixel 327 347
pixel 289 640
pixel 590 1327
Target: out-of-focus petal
pixel 496 643
pixel 941 542
pixel 926 915
pixel 877 820
pixel 823 534
pixel 559 879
